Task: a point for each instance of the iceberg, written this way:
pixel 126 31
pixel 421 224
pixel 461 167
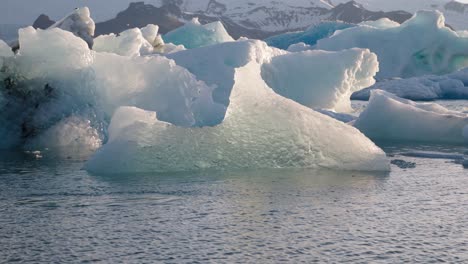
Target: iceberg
pixel 321 79
pixel 194 35
pixel 40 91
pixel 317 79
pixel 310 36
pixel 79 23
pixel 261 130
pixel 130 42
pixel 40 88
pixel 298 47
pixel 164 117
pixel 383 23
pixel 424 88
pixel 390 118
pixel 135 42
pixel 420 46
pixel 215 65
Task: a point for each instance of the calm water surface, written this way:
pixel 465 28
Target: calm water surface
pixel 54 212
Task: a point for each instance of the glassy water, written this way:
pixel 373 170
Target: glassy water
pixel 54 212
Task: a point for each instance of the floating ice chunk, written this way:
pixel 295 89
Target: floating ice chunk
pixel 321 79
pixel 194 35
pixel 78 22
pixel 298 47
pixel 429 87
pixel 169 48
pixel 421 45
pixel 382 23
pixel 261 130
pixel 135 42
pixel 150 33
pixel 388 117
pixel 130 42
pixel 310 36
pixel 403 164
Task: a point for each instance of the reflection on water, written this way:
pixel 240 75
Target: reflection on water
pixel 52 211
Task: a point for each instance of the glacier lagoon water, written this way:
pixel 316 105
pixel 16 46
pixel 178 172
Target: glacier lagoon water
pixel 53 211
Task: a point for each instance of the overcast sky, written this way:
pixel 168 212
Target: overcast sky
pixel 26 11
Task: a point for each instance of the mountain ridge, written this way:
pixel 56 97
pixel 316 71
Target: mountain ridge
pixel 259 22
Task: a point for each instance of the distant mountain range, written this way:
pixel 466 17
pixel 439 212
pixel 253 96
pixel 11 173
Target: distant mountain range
pixel 455 12
pixel 249 20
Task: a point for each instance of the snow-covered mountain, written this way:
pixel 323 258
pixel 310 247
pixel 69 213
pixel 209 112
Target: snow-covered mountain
pixel 270 15
pixel 249 20
pixel 254 20
pixel 263 18
pixel 273 15
pixel 455 12
pixel 266 15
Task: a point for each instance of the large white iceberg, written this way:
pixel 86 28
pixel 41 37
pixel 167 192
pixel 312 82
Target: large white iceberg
pixel 64 99
pixel 321 79
pixel 261 130
pixel 429 87
pixel 40 89
pixel 421 45
pixel 390 118
pixel 194 35
pixel 48 80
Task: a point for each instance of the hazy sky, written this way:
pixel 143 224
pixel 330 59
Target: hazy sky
pixel 26 11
